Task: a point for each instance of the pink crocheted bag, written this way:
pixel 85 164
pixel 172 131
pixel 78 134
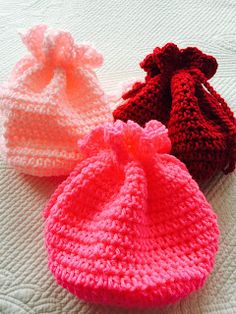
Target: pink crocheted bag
pixel 129 226
pixel 51 100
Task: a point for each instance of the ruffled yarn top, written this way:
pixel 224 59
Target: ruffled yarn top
pixel 176 92
pixel 129 227
pixel 52 99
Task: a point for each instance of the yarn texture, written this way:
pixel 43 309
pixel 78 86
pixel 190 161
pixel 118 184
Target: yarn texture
pixel 176 92
pixel 52 99
pixel 129 227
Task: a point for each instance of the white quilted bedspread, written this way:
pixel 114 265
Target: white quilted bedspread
pixel 125 31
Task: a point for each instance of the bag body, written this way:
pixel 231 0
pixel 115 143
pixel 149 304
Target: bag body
pixel 176 92
pixel 52 99
pixel 129 227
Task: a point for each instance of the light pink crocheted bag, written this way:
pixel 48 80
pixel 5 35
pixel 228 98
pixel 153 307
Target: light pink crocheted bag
pixel 130 227
pixel 51 100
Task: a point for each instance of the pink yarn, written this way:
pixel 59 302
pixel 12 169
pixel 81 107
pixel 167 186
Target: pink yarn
pixel 129 227
pixel 52 99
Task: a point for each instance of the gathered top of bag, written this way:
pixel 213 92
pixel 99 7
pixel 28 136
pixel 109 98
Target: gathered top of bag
pixel 58 49
pixel 129 227
pixel 176 92
pixel 53 98
pixel 170 58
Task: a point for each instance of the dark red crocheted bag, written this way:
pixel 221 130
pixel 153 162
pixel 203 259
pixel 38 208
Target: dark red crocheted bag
pixel 201 126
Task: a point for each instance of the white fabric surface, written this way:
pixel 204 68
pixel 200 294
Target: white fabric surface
pixel 125 31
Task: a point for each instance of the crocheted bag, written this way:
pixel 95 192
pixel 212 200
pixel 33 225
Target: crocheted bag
pixel 52 99
pixel 130 227
pixel 201 126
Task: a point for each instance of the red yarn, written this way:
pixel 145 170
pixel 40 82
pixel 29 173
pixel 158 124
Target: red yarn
pixel 201 126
